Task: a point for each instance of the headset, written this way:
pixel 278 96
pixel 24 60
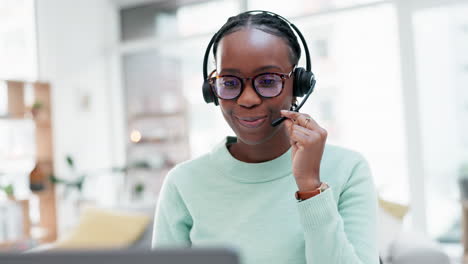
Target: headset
pixel 303 82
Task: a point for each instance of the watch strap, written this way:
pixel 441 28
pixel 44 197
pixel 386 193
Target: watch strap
pixel 304 195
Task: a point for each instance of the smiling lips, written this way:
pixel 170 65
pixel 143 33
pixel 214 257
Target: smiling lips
pixel 251 122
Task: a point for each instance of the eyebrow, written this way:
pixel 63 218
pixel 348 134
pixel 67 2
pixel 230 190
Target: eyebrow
pixel 267 67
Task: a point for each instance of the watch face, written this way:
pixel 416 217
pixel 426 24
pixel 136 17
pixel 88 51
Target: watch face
pixel 324 186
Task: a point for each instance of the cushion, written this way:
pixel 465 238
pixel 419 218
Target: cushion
pixel 394 209
pixel 105 228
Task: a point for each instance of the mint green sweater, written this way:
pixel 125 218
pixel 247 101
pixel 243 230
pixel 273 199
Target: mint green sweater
pixel 217 200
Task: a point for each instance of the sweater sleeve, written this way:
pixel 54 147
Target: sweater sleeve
pixel 172 221
pixel 345 233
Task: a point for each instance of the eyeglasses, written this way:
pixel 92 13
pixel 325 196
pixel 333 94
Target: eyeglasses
pixel 268 84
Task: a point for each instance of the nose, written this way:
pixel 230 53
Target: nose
pixel 249 97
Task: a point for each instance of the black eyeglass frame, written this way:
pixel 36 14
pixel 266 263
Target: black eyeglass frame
pixel 283 76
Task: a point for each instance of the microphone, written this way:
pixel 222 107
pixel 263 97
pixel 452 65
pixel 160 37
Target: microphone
pixel 280 120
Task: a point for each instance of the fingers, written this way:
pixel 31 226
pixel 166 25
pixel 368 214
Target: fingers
pixel 303 120
pixel 306 136
pixel 299 118
pixel 289 124
pixel 290 114
pixel 299 138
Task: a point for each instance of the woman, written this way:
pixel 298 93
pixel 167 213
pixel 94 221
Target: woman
pixel 242 193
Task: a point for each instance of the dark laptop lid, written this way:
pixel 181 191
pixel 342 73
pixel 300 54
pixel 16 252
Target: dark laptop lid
pixel 158 256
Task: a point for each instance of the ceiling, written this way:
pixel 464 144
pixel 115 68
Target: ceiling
pixel 134 3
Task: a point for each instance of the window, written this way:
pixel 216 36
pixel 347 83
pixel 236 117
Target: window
pixel 441 38
pixel 358 93
pixel 17 40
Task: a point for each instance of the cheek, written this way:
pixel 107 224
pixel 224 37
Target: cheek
pixel 225 107
pixel 276 106
pixel 226 110
pixel 285 100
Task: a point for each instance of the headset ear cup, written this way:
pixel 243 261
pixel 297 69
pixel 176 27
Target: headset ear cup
pixel 208 93
pixel 303 81
pixel 312 82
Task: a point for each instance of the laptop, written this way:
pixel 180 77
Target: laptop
pixel 157 256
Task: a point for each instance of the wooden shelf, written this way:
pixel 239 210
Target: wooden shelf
pixel 159 140
pixel 17 110
pixel 39 122
pixel 43 123
pixel 11 118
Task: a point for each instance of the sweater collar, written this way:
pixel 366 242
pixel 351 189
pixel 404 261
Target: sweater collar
pixel 250 172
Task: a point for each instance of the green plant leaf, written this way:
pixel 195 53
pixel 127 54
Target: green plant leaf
pixel 53 179
pixel 119 169
pixel 143 164
pixel 37 105
pixel 79 183
pixel 56 180
pixel 139 188
pixel 9 189
pixel 70 162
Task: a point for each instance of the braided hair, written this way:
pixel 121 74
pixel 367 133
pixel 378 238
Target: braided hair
pixel 266 22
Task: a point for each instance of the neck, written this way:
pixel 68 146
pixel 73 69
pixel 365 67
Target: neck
pixel 265 151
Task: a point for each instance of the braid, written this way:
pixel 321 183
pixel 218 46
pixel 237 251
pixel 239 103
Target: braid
pixel 263 21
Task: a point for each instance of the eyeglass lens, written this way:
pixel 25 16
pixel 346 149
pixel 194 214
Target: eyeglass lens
pixel 267 85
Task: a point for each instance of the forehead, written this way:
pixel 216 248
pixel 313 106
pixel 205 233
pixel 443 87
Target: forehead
pixel 249 49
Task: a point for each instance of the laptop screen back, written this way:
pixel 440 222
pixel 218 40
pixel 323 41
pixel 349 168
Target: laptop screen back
pixel 158 256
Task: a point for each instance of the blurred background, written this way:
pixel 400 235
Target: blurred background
pixel 100 98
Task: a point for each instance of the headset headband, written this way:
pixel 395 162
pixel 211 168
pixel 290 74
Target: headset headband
pixel 295 29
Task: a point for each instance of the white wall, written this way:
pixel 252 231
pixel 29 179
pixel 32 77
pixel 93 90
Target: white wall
pixel 75 40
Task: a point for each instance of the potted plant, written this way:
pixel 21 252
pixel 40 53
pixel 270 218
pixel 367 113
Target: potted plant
pixel 69 185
